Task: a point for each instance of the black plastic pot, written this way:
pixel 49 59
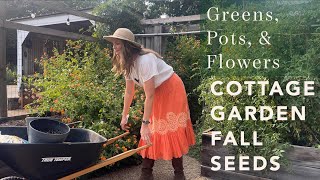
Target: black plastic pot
pixel 47 130
pixel 29 119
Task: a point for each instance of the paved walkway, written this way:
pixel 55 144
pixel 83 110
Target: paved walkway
pixel 162 171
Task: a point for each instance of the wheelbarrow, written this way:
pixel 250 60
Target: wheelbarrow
pixel 78 155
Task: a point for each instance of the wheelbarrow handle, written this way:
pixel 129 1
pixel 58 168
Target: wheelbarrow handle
pixel 105 162
pixel 110 141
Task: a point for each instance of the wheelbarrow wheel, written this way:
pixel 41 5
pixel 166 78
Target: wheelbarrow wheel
pixel 12 178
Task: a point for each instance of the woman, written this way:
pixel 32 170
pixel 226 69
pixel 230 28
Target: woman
pixel 166 121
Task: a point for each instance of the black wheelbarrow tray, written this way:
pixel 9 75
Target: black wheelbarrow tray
pixel 77 156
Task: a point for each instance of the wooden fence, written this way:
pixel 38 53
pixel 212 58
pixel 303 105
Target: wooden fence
pixel 156 31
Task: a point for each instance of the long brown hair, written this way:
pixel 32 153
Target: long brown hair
pixel 123 65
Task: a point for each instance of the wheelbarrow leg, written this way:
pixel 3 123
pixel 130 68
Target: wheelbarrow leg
pixel 105 162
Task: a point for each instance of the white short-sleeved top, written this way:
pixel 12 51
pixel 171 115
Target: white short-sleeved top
pixel 147 66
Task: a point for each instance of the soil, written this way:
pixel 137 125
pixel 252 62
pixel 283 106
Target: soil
pixel 13 123
pixel 52 131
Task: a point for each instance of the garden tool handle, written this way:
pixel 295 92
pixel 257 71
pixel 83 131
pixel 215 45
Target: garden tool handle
pixel 106 162
pixel 110 141
pixel 73 123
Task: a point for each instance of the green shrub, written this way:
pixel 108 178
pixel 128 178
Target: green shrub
pixel 120 14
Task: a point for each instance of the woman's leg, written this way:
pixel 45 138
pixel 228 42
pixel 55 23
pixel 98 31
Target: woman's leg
pixel 177 164
pixel 146 171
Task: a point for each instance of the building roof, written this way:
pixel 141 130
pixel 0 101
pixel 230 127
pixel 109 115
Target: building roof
pixel 51 14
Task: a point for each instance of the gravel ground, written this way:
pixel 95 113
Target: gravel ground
pixel 162 171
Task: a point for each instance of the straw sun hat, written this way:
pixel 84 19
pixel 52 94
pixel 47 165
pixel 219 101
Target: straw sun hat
pixel 123 34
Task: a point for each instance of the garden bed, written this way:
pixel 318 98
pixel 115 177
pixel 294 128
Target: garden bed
pixel 304 163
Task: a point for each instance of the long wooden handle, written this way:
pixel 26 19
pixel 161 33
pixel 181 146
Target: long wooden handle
pixel 110 141
pixel 105 162
pixel 73 123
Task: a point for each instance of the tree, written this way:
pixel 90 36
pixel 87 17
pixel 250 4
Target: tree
pixel 172 8
pixel 189 7
pixel 120 13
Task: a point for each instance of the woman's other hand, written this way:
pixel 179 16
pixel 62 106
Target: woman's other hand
pixel 145 133
pixel 124 122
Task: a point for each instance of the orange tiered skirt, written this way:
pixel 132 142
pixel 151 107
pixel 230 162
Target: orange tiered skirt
pixel 171 127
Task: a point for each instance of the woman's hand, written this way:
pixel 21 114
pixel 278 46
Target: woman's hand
pixel 124 122
pixel 145 133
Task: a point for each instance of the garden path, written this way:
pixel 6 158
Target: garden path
pixel 162 171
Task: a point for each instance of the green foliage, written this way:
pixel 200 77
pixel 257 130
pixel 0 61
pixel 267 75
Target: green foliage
pixel 304 68
pixel 173 8
pixel 79 85
pixel 122 145
pixel 295 42
pixel 120 14
pixel 11 76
